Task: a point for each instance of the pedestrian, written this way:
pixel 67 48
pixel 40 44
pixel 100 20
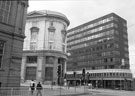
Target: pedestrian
pixel 39 88
pixel 32 86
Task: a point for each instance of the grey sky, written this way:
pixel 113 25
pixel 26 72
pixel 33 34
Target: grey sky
pixel 82 11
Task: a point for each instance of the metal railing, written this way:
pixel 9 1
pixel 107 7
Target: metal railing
pixel 51 91
pixel 8 91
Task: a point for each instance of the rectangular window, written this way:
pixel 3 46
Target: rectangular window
pixel 4 10
pixel 1 51
pixel 30 73
pixel 51 36
pixel 31 59
pixel 34 36
pixel 48 73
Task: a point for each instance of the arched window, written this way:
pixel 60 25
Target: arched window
pixel 51 31
pixel 34 33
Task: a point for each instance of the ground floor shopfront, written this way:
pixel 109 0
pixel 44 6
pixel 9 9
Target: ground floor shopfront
pixel 111 79
pixel 42 66
pixel 109 84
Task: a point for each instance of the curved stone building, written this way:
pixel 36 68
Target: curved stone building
pixel 44 46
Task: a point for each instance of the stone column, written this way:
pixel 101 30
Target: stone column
pixel 23 69
pixel 43 68
pixel 39 68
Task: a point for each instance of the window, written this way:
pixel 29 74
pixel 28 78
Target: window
pixel 4 10
pixel 105 60
pixel 34 34
pixel 63 37
pixel 126 48
pixel 34 38
pixel 51 36
pixel 124 24
pixel 48 73
pixel 1 51
pixel 31 59
pixel 111 59
pixel 51 31
pixel 30 73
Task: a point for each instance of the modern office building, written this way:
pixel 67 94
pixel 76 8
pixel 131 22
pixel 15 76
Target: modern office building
pixel 101 48
pixel 12 25
pixel 44 46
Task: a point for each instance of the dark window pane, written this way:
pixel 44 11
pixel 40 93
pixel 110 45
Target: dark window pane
pixel 31 59
pixel 48 73
pixel 31 73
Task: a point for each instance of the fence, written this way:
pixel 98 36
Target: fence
pixel 51 91
pixel 14 91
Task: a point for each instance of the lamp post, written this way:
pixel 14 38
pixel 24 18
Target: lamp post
pixel 68 54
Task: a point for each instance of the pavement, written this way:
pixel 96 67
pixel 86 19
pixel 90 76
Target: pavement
pixel 82 91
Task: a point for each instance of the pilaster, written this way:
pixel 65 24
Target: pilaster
pixel 23 68
pixel 39 68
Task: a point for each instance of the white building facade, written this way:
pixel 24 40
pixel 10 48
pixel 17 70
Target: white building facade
pixel 44 46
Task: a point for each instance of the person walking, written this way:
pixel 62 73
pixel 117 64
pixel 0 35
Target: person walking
pixel 32 86
pixel 39 88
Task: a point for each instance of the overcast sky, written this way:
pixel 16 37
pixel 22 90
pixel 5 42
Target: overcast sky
pixel 82 11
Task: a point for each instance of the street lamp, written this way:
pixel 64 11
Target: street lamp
pixel 65 79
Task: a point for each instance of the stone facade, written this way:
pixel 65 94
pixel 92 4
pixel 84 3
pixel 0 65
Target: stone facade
pixel 12 24
pixel 44 46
